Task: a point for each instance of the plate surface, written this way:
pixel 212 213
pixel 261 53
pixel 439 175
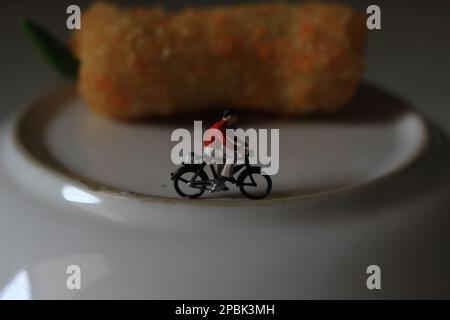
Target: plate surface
pixel 373 137
pixel 157 247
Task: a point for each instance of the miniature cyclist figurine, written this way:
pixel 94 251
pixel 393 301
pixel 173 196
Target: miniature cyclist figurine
pixel 190 180
pixel 211 144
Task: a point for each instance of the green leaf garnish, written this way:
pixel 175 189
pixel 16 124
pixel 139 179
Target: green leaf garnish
pixel 54 51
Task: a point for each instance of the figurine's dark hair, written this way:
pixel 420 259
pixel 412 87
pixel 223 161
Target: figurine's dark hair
pixel 228 112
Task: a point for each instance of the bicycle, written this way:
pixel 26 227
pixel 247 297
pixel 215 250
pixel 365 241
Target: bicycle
pixel 191 180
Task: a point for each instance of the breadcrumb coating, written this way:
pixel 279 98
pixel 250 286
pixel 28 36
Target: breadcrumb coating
pixel 282 58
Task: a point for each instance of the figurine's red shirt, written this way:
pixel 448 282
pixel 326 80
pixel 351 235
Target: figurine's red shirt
pixel 221 126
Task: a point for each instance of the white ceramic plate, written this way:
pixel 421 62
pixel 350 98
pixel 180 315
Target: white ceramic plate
pixel 63 170
pixel 373 138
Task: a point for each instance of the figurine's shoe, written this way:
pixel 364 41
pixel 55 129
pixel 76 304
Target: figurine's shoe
pixel 226 179
pixel 218 186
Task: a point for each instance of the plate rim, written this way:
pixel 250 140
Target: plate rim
pixel 68 91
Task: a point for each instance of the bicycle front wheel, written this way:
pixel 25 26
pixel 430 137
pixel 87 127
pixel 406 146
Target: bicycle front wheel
pixel 254 185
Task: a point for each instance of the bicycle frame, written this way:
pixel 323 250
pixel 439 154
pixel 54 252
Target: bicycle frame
pixel 204 184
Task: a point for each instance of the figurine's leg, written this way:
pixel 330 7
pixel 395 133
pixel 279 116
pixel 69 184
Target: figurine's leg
pixel 207 152
pixel 227 169
pixel 220 168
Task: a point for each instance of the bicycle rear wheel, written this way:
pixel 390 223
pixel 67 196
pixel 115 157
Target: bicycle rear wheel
pixel 182 187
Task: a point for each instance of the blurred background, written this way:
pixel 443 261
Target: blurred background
pixel 409 56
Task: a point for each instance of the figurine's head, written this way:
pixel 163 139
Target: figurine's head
pixel 229 116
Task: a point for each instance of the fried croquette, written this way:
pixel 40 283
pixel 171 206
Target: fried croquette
pixel 288 59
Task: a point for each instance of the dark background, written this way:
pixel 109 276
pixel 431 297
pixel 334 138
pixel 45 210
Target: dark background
pixel 410 56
